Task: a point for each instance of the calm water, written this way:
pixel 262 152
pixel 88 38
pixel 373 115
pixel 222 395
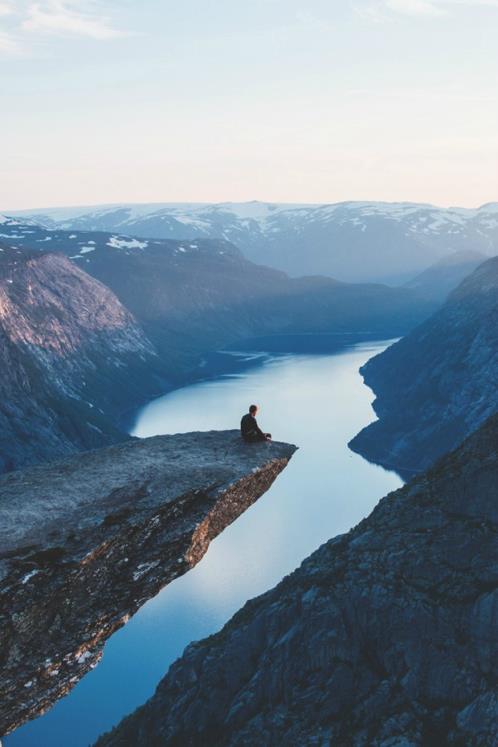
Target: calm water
pixel 315 401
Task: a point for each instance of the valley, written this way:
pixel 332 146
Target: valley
pixel 101 324
pixel 248 373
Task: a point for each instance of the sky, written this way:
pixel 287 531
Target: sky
pixel 105 101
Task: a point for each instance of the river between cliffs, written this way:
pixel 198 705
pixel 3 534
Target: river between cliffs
pixel 315 401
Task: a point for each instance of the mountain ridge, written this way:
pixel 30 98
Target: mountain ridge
pixel 353 241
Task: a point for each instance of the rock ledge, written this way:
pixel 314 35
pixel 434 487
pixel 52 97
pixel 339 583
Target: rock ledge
pixel 86 541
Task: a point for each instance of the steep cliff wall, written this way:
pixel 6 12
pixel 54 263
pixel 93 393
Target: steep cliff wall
pixel 439 383
pixel 72 358
pixel 385 637
pixel 86 541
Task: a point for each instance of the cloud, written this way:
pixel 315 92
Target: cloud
pixel 6 9
pixel 67 17
pixel 415 7
pixel 378 10
pixel 9 44
pixel 23 19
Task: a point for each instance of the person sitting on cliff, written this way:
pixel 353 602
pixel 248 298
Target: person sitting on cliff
pixel 249 429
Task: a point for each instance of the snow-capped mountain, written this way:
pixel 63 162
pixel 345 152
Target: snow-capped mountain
pixel 351 241
pixel 195 296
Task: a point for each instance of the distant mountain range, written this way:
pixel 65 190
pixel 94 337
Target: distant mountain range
pixel 194 296
pixel 350 241
pixel 96 323
pixel 440 382
pixel 104 321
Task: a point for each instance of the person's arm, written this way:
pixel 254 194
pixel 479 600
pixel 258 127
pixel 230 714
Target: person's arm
pixel 258 429
pixel 261 433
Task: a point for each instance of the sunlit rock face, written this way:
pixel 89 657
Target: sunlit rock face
pixel 84 542
pixel 72 359
pixel 439 383
pixel 385 636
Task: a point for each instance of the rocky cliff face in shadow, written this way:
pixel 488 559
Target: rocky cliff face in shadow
pixel 72 358
pixel 439 383
pixel 386 636
pixel 86 541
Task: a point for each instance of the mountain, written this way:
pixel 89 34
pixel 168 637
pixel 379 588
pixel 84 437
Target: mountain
pixel 192 297
pixel 440 382
pixel 87 540
pixel 72 358
pixel 350 241
pixel 438 280
pixel 385 636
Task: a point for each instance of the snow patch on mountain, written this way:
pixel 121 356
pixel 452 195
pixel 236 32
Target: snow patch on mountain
pixel 119 243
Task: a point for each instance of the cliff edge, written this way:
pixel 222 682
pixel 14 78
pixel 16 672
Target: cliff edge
pixel 87 540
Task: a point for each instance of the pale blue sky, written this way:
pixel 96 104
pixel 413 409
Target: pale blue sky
pixel 120 100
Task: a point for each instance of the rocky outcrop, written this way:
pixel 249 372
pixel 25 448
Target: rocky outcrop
pixel 439 383
pixel 385 637
pixel 86 541
pixel 73 358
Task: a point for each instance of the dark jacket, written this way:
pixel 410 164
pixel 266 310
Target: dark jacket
pixel 249 428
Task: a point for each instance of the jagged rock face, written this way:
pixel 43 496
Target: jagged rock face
pixel 75 358
pixel 439 383
pixel 86 541
pixel 36 421
pixel 385 636
pixel 192 297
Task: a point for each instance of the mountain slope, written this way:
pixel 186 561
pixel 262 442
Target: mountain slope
pixel 192 297
pixel 384 636
pixel 351 241
pixel 440 382
pixel 438 280
pixel 72 359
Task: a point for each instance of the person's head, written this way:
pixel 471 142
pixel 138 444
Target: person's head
pixel 253 410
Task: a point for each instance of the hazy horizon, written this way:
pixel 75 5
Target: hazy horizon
pixel 159 203
pixel 384 100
